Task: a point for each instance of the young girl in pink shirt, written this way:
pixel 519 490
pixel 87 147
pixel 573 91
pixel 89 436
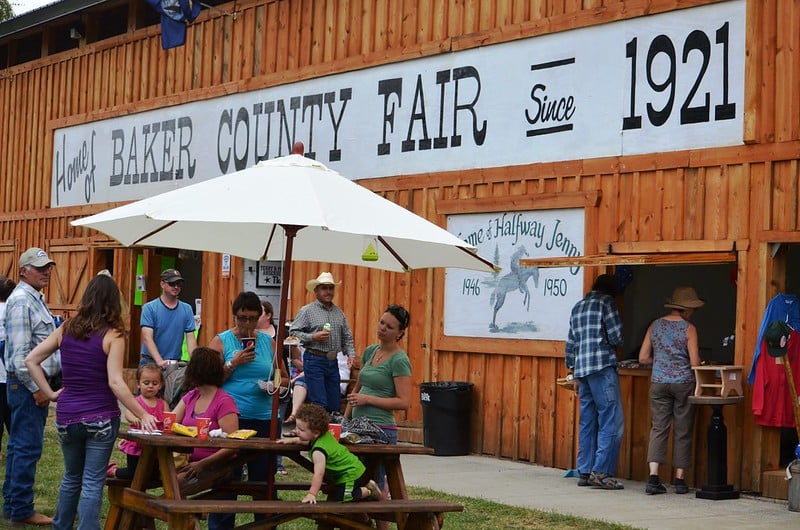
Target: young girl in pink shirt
pixel 150 381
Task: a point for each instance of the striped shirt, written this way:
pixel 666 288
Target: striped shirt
pixel 312 317
pixel 28 322
pixel 595 329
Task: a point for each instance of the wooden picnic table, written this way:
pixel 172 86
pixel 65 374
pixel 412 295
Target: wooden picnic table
pixel 181 504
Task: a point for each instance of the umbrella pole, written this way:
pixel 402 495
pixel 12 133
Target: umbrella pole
pixel 290 231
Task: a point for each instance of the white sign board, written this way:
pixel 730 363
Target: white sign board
pixel 518 302
pixel 665 82
pixel 269 274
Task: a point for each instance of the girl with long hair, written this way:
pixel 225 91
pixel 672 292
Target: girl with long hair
pixel 92 345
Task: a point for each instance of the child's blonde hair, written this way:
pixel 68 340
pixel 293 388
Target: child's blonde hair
pixel 149 366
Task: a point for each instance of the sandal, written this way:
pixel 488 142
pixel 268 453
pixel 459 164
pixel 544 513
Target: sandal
pixel 290 434
pixel 290 420
pixel 605 481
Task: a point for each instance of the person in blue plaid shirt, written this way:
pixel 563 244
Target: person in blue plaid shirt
pixel 595 330
pixel 28 322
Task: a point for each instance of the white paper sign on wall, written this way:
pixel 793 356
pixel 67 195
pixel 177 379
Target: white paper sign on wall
pixel 518 302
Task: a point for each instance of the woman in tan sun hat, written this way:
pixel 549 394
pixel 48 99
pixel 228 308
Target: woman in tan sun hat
pixel 671 346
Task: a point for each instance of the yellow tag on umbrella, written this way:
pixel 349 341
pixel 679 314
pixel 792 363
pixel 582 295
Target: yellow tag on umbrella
pixel 370 254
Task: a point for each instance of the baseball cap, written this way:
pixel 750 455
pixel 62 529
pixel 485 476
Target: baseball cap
pixel 170 275
pixel 35 257
pixel 777 337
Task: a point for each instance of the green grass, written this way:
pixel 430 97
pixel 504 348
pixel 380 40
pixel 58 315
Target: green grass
pixel 477 514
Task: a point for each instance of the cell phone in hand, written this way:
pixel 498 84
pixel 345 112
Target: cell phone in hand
pixel 247 342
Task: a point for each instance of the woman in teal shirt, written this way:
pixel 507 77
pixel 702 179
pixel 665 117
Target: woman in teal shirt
pixel 245 365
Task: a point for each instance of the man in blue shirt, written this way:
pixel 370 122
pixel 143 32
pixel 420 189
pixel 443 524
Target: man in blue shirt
pixel 595 330
pixel 165 322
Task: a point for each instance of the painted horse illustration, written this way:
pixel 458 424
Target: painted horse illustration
pixel 515 280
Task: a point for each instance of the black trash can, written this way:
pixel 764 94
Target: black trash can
pixel 446 416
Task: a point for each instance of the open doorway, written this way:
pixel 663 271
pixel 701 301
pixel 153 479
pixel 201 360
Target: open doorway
pixel 149 263
pixel 647 287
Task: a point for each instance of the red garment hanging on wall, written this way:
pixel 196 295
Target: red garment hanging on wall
pixel 772 399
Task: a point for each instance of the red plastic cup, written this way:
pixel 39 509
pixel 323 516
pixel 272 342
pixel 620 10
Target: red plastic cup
pixel 202 428
pixel 335 429
pixel 169 420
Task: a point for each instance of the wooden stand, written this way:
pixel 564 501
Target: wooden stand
pixel 717 488
pixel 708 384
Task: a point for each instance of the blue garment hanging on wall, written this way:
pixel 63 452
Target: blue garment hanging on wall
pixel 175 14
pixel 783 307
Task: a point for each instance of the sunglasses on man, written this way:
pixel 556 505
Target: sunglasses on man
pixel 175 283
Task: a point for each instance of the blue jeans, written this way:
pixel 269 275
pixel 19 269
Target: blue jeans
pixel 381 478
pixel 601 422
pixel 23 450
pixel 87 448
pixel 322 381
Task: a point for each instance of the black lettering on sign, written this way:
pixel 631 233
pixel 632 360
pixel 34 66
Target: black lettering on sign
pixel 458 92
pixel 268 129
pixel 69 168
pixel 550 113
pixel 157 152
pixel 696 107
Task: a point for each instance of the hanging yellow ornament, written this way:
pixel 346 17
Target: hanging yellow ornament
pixel 370 254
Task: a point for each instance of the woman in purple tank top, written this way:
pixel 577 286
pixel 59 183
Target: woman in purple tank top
pixel 670 345
pixel 92 347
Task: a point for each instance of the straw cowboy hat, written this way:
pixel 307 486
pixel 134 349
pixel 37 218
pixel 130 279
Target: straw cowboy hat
pixel 684 298
pixel 325 278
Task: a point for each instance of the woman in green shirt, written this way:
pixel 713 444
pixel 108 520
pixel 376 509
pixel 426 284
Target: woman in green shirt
pixel 384 382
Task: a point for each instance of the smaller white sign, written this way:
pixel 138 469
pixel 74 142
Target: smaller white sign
pixel 226 265
pixel 518 302
pixel 269 274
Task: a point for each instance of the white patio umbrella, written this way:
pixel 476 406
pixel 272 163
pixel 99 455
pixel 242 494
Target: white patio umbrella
pixel 288 208
pixel 240 213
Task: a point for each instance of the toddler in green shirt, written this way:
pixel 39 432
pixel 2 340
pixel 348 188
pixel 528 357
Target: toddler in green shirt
pixel 343 470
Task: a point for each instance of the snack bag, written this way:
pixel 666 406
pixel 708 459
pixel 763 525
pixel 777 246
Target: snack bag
pixel 242 434
pixel 177 428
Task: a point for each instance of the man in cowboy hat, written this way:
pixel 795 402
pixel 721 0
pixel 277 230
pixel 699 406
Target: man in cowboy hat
pixel 28 322
pixel 323 329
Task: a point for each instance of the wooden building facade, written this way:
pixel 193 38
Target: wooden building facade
pixel 734 204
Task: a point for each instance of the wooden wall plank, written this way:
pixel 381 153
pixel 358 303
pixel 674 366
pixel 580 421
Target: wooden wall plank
pixel 786 37
pixel 767 108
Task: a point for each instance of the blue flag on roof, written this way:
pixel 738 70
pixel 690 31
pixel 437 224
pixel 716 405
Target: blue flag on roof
pixel 175 14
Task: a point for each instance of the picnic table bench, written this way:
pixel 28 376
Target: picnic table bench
pixel 409 514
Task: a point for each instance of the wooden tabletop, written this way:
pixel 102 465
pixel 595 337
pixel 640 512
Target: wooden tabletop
pixel 266 444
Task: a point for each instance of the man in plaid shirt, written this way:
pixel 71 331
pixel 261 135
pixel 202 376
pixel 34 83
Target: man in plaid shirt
pixel 28 322
pixel 323 329
pixel 595 330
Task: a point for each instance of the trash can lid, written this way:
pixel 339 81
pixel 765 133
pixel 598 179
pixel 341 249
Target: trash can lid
pixel 446 385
